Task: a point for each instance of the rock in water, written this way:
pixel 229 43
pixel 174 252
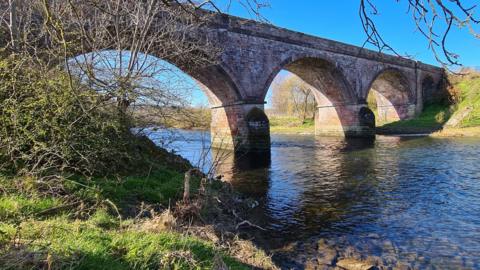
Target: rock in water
pixel 326 255
pixel 352 264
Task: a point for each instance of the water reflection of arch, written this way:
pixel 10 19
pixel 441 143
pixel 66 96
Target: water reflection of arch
pixel 314 189
pixel 247 172
pixel 341 179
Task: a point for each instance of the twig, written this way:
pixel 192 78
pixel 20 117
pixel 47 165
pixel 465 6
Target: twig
pixel 246 222
pixel 57 209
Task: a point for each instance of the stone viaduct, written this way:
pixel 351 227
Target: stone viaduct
pixel 341 75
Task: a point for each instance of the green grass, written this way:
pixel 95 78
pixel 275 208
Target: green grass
pixel 162 186
pixel 431 119
pixel 101 241
pixel 88 245
pixel 17 205
pixel 290 124
pixel 466 89
pixel 469 87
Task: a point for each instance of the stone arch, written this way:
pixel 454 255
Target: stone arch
pixel 394 96
pixel 338 110
pixel 217 84
pixel 214 80
pixel 308 67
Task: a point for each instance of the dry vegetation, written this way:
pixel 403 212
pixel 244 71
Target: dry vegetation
pixel 78 189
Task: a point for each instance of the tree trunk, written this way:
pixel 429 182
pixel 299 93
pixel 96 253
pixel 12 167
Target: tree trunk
pixel 13 23
pixel 305 106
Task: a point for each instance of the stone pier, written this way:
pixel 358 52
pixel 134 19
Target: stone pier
pixel 243 127
pixel 345 121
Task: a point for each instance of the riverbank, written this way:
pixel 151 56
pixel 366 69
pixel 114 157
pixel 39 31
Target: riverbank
pixel 461 118
pixel 458 132
pixel 125 222
pixel 319 201
pixel 291 125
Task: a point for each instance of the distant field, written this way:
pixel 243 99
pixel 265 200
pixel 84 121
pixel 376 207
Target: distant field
pixel 290 125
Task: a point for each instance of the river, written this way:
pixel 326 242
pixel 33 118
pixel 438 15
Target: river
pixel 414 200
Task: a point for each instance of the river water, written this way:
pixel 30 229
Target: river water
pixel 409 199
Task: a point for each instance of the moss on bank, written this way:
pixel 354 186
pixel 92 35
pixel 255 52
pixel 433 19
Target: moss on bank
pixel 467 88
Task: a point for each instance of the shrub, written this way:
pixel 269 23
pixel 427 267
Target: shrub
pixel 51 124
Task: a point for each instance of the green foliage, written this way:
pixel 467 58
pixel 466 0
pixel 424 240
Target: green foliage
pixel 162 186
pixel 104 220
pixel 16 206
pixel 102 240
pixel 466 92
pixel 19 201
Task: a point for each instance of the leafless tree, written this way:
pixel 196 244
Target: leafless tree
pixel 119 47
pixel 292 96
pixel 434 19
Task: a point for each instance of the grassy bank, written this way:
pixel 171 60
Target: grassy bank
pixel 291 125
pixel 462 118
pixel 135 222
pixel 432 119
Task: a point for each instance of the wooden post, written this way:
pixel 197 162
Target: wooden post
pixel 186 188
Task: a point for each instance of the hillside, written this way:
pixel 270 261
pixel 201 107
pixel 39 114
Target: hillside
pixel 460 118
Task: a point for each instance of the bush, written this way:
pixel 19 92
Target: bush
pixel 50 124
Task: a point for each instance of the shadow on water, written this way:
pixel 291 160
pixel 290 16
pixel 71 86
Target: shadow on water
pixel 248 172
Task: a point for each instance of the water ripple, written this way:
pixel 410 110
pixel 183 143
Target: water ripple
pixel 422 194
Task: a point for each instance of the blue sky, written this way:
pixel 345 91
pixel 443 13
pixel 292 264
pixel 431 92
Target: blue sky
pixel 339 20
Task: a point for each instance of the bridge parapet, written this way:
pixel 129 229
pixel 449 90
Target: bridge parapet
pixel 270 32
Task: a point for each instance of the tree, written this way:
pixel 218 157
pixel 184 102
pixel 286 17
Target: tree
pixel 72 69
pixel 110 45
pixel 292 96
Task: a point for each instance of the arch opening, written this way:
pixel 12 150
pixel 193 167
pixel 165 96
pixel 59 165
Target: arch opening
pixel 162 94
pixel 390 97
pixel 335 107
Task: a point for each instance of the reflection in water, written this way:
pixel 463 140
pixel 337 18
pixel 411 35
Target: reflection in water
pixel 420 194
pixel 236 167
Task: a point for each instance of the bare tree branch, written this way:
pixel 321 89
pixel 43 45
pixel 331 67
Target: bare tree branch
pixel 434 19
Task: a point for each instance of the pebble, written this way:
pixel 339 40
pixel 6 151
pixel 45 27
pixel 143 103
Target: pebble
pixel 352 264
pixel 326 254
